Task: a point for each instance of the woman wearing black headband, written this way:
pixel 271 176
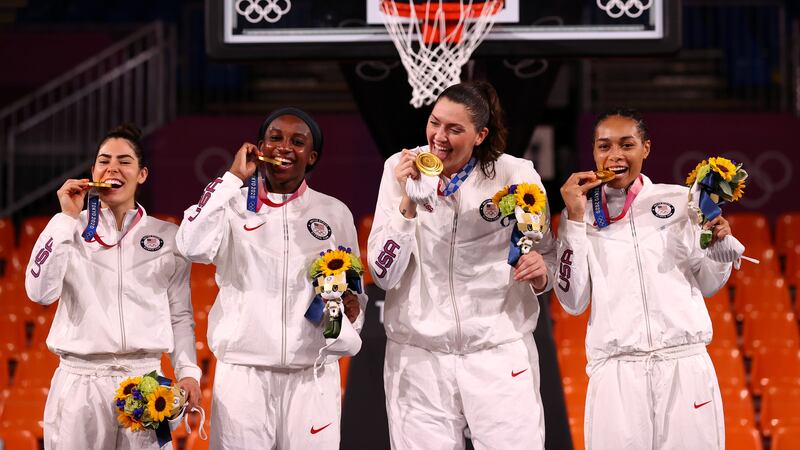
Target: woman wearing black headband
pixel 263 237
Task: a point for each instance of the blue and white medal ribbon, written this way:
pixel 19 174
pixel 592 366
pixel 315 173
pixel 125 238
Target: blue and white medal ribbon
pixel 252 193
pixel 459 178
pixel 597 207
pixel 93 212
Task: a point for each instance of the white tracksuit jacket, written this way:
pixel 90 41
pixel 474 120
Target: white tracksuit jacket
pixel 646 276
pixel 262 262
pixel 448 285
pixel 132 298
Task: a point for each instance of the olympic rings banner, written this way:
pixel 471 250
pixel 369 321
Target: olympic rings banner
pixel 766 143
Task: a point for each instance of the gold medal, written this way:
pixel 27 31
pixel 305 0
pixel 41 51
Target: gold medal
pixel 278 161
pixel 429 164
pixel 605 175
pixel 100 184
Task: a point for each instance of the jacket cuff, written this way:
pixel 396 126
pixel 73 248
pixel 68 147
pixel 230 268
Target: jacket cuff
pixel 189 371
pixel 231 179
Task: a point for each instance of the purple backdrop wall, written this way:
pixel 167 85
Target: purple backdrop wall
pixel 765 143
pixel 187 153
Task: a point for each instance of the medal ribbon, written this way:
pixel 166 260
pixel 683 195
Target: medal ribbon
pixel 456 182
pixel 602 218
pixel 90 232
pixel 259 195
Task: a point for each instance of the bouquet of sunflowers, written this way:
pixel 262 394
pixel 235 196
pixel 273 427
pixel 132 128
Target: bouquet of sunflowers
pixel 712 184
pixel 148 402
pixel 332 274
pixel 527 204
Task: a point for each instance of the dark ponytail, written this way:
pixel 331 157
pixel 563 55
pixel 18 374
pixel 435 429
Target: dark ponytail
pixel 130 133
pixel 483 104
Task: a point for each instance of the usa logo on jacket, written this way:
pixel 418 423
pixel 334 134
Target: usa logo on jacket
pixel 151 243
pixel 663 210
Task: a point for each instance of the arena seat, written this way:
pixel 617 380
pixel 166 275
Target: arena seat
pixel 771 329
pixel 193 442
pixel 35 368
pixel 762 294
pixel 570 330
pixel 724 327
pixel 576 432
pixel 774 367
pixel 24 409
pixel 738 407
pixel 31 229
pixel 786 438
pixel 779 408
pixel 768 266
pixel 729 366
pixel 742 438
pixel 787 232
pixel 751 228
pixel 719 302
pixel 13 439
pixel 572 365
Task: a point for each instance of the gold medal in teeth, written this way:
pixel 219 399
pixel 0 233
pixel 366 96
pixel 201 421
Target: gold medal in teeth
pixel 429 164
pixel 605 175
pixel 100 184
pixel 278 161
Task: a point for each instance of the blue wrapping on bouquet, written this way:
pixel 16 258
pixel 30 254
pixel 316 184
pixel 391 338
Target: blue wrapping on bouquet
pixel 709 207
pixel 514 251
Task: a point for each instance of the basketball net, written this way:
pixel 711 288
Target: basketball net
pixel 435 39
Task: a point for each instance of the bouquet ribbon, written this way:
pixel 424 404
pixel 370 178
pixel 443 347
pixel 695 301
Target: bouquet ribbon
pixel 709 207
pixel 163 433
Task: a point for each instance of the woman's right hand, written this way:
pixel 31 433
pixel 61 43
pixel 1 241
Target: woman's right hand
pixel 71 196
pixel 406 168
pixel 574 193
pixel 245 162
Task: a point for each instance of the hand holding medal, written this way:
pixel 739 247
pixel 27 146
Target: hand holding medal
pixel 423 190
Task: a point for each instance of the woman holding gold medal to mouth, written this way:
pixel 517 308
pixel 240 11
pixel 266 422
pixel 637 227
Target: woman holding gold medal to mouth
pixel 264 327
pixel 123 298
pixel 461 300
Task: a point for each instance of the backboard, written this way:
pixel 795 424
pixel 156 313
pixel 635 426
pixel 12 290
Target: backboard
pixel 353 29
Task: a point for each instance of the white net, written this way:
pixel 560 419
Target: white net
pixel 433 47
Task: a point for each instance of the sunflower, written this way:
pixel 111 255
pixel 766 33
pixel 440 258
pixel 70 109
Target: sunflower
pixel 723 166
pixel 530 198
pixel 126 387
pixel 738 191
pixel 129 422
pixel 499 195
pixel 693 174
pixel 335 261
pixel 159 403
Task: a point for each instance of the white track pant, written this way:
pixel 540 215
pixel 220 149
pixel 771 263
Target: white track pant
pixel 667 400
pixel 80 411
pixel 431 398
pixel 260 409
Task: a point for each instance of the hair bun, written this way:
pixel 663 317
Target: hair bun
pixel 128 131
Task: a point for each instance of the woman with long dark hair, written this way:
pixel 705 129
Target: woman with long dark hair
pixel 123 298
pixel 460 355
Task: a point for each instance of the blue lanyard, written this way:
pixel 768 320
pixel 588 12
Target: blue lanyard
pixel 93 210
pixel 456 182
pixel 597 207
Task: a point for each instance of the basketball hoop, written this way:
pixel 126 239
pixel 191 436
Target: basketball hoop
pixel 435 38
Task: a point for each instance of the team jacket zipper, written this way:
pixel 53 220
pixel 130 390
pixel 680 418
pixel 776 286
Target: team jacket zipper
pixel 641 281
pixel 119 295
pixel 285 274
pixel 450 272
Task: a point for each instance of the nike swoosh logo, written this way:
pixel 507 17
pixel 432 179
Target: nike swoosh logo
pixel 246 228
pixel 516 374
pixel 701 404
pixel 317 430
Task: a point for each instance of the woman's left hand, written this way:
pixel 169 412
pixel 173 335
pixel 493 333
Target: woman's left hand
pixel 351 306
pixel 720 227
pixel 193 393
pixel 531 267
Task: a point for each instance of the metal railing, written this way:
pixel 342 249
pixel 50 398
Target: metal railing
pixel 51 134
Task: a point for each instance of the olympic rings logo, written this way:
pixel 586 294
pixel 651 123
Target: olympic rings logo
pixel 272 11
pixel 631 8
pixel 770 172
